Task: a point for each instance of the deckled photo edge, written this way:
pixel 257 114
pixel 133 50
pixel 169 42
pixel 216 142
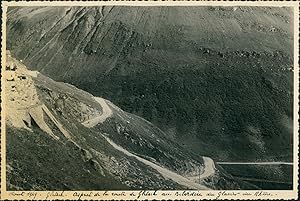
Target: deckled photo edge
pixel 276 194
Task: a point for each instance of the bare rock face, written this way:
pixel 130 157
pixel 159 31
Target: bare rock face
pixel 22 101
pixel 19 84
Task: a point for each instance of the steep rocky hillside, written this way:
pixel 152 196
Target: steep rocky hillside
pixel 97 40
pixel 213 73
pixel 62 138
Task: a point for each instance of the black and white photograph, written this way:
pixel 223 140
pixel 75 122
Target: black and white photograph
pixel 131 98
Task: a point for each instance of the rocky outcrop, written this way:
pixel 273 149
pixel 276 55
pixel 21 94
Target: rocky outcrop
pixel 24 108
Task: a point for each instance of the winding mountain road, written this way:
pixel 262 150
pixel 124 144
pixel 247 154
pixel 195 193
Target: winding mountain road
pixel 209 166
pixel 168 174
pixel 106 112
pixel 209 170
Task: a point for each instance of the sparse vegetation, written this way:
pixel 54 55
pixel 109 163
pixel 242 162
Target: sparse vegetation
pixel 216 82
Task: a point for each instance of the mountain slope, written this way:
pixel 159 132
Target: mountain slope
pixel 95 40
pixel 50 146
pixel 213 73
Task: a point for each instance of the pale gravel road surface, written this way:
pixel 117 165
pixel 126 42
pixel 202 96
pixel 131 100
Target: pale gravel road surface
pixel 106 112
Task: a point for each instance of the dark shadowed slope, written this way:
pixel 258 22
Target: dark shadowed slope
pixel 49 147
pixel 216 79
